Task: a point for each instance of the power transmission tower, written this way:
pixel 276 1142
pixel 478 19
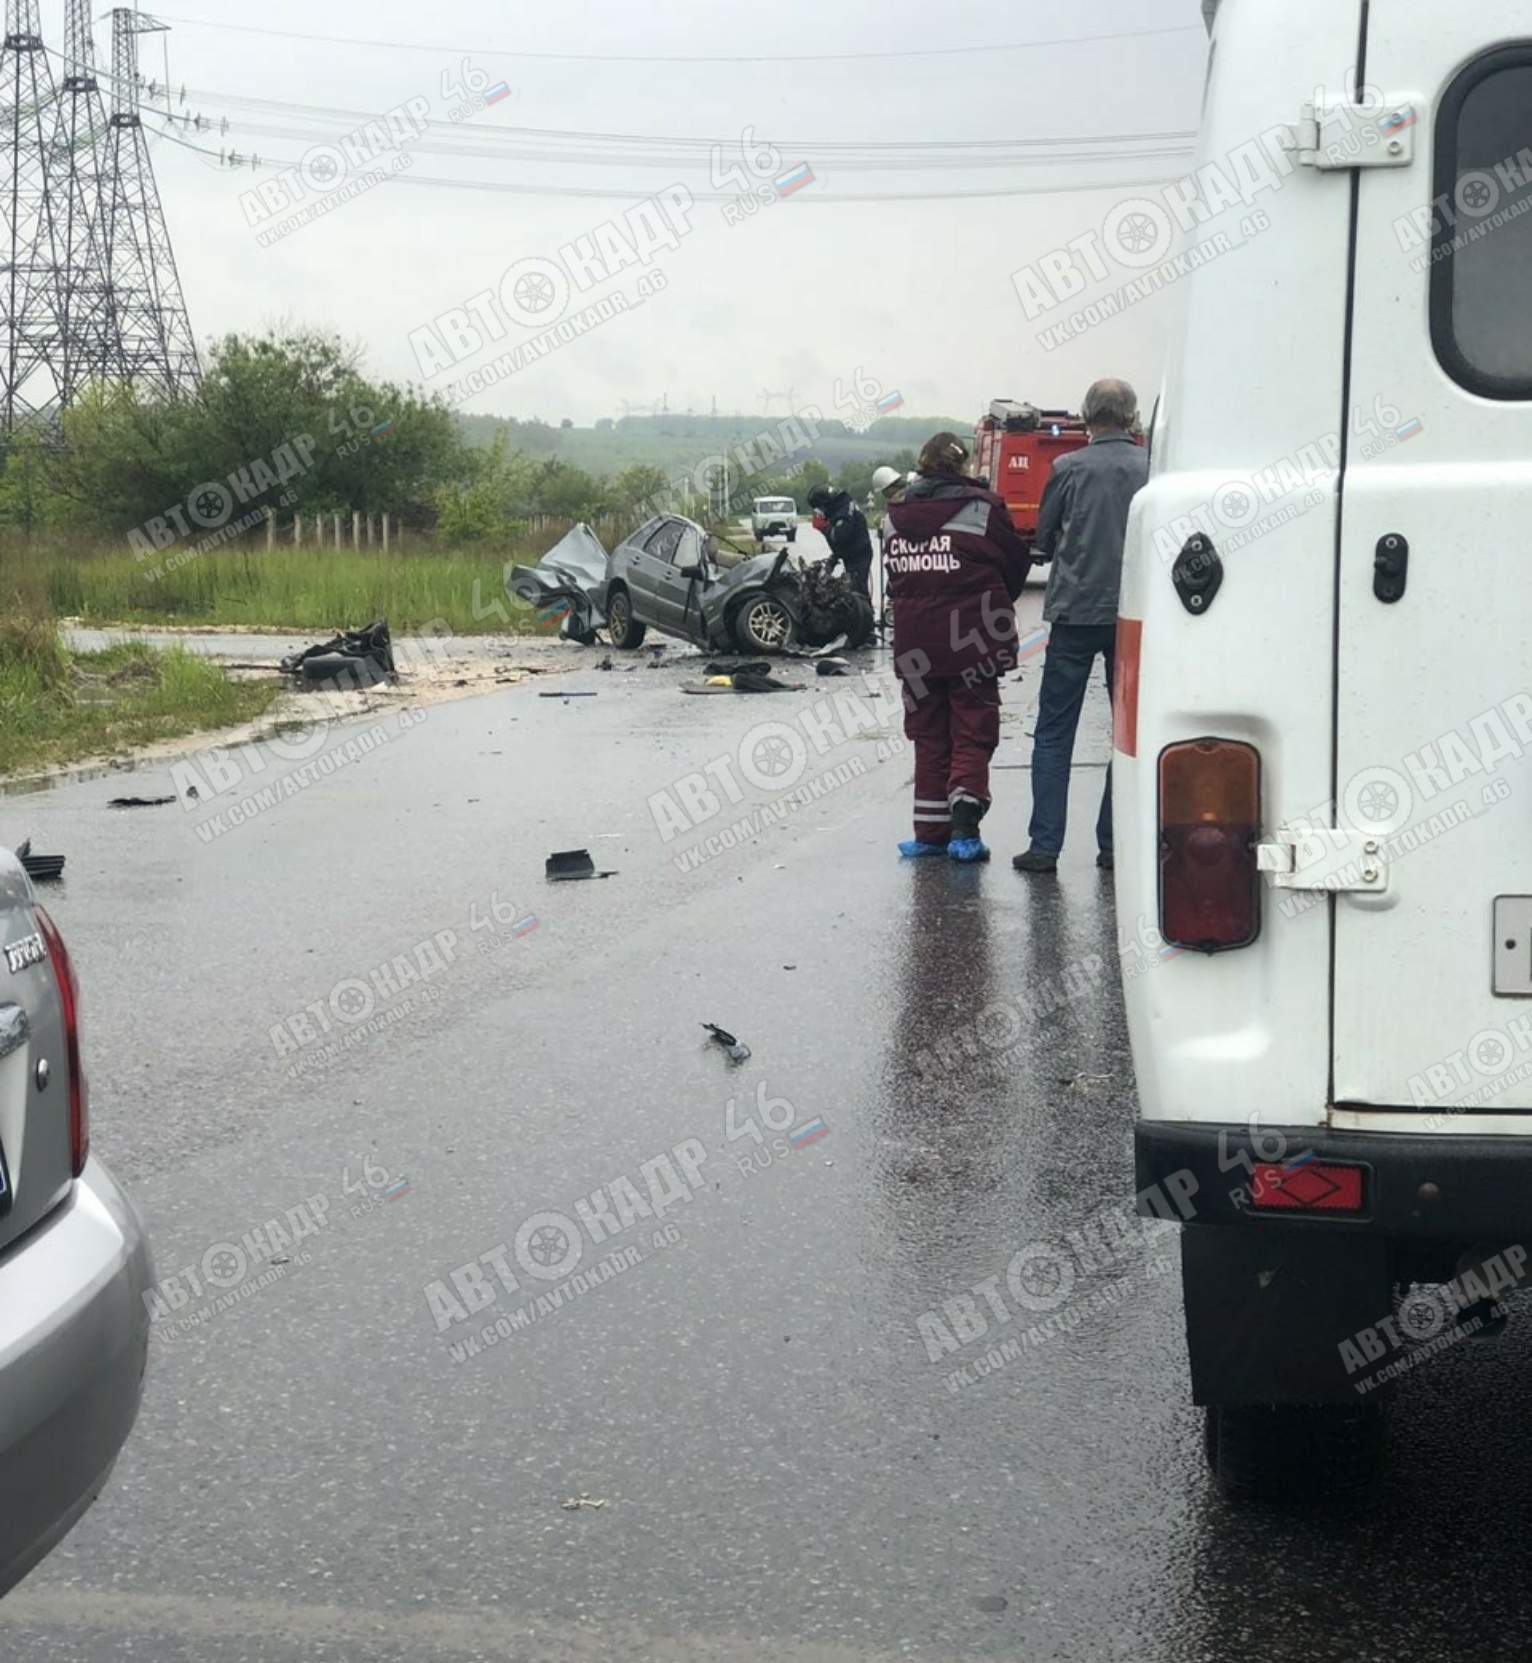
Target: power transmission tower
pixel 89 335
pixel 156 349
pixel 29 368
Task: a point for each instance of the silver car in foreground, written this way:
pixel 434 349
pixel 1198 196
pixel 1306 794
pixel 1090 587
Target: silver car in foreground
pixel 74 1260
pixel 666 576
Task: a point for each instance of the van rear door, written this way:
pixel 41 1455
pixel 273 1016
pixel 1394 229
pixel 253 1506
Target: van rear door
pixel 1432 980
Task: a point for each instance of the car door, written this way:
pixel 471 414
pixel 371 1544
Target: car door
pixel 678 590
pixel 648 555
pixel 1433 710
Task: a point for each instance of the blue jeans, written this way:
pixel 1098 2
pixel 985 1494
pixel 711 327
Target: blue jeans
pixel 1071 657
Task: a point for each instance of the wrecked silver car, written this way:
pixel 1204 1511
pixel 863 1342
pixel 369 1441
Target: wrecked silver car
pixel 666 577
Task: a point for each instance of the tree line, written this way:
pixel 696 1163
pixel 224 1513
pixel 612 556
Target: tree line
pixel 291 422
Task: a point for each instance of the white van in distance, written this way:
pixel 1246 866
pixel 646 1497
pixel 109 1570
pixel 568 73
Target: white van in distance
pixel 1323 750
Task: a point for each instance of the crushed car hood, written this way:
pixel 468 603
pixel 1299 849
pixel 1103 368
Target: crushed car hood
pixel 573 570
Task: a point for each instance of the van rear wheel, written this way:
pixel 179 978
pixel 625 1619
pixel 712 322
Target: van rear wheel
pixel 1292 1452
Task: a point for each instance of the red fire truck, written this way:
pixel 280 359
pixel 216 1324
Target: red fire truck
pixel 1015 447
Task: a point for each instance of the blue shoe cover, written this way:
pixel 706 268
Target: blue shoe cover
pixel 911 850
pixel 967 849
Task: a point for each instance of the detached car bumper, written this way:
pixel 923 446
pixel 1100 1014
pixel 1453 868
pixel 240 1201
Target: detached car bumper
pixel 1427 1187
pixel 74 1338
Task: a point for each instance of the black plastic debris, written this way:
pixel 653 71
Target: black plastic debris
pixel 573 693
pixel 354 658
pixel 831 667
pixel 569 864
pixel 749 681
pixel 737 1050
pixel 738 666
pixel 139 802
pixel 41 868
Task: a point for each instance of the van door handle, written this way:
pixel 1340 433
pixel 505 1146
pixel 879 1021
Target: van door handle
pixel 1390 567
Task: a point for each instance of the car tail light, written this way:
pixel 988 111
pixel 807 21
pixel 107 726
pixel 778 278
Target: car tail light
pixel 69 1000
pixel 1308 1187
pixel 1210 810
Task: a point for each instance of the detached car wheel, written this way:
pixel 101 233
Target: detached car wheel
pixel 625 630
pixel 1292 1452
pixel 763 625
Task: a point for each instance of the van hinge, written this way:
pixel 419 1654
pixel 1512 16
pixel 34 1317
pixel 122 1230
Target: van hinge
pixel 1332 137
pixel 1335 860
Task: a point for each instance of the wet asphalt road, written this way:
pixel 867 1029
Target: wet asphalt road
pixel 787 1473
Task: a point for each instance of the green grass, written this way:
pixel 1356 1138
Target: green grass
pixel 284 588
pixel 57 707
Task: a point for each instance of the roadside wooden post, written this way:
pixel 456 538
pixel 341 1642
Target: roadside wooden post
pixel 297 531
pixel 337 527
pixel 356 529
pixel 369 528
pixel 385 531
pixel 271 529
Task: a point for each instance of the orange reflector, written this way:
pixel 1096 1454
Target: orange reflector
pixel 1310 1187
pixel 1210 811
pixel 1125 672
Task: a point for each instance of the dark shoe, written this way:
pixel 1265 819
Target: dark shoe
pixel 1104 860
pixel 1036 860
pixel 966 815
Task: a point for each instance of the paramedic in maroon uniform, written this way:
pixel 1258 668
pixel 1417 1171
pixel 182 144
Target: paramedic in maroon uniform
pixel 954 565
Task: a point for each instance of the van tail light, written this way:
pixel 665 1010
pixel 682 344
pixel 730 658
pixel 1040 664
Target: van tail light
pixel 69 1000
pixel 1210 810
pixel 1308 1187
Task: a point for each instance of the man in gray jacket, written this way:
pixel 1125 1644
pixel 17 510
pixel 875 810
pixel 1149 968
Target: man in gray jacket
pixel 1080 528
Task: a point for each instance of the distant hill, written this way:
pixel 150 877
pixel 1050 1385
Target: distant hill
pixel 678 442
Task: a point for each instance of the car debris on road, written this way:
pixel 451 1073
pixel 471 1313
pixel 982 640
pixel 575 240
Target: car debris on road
pixel 737 1050
pixel 566 865
pixel 40 868
pixel 356 657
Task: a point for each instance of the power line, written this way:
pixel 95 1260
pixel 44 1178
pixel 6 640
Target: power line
pixel 281 164
pixel 677 164
pixel 497 137
pixel 670 58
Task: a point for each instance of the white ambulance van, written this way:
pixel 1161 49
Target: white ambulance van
pixel 1323 748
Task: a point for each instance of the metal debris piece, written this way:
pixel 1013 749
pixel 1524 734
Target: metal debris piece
pixel 139 802
pixel 40 868
pixel 575 1503
pixel 355 657
pixel 737 1049
pixel 568 864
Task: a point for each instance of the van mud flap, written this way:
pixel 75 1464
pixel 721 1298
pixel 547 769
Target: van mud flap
pixel 1268 1308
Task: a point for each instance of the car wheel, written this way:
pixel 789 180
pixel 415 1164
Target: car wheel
pixel 858 622
pixel 581 634
pixel 763 625
pixel 625 630
pixel 1291 1452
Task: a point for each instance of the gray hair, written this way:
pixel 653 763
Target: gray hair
pixel 1110 403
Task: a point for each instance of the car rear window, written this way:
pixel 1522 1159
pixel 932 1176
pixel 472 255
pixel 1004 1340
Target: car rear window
pixel 662 543
pixel 1481 247
pixel 776 505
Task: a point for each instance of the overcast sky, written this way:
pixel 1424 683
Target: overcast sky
pixel 918 294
